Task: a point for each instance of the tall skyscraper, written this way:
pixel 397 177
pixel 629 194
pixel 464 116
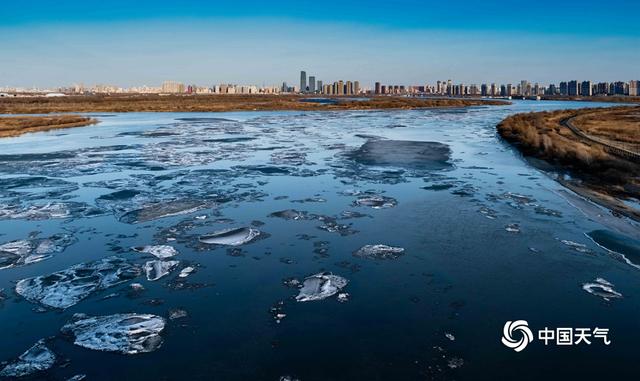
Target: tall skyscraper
pixel 348 88
pixel 319 86
pixel 634 88
pixel 602 88
pixel 572 88
pixel 312 84
pixel 356 87
pixel 378 89
pixel 303 81
pixel 564 88
pixel 618 88
pixel 585 89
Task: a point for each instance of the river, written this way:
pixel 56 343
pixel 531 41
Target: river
pixel 487 238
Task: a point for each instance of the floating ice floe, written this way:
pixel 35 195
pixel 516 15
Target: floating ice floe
pixel 376 202
pixel 401 153
pixel 51 210
pixel 379 252
pixel 123 333
pixel 320 286
pixel 36 359
pixel 292 214
pixel 65 288
pixel 547 212
pixel 277 311
pixel 343 297
pixel 157 269
pixel 515 200
pixel 158 251
pixel 579 247
pixel 185 272
pixel 161 210
pixel 512 228
pixel 602 288
pixel 27 251
pixel 332 226
pixel 488 212
pixel 231 237
pixel 78 377
pixel 177 313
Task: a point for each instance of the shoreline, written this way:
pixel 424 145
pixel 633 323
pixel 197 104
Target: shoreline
pixel 224 103
pixel 597 173
pixel 12 126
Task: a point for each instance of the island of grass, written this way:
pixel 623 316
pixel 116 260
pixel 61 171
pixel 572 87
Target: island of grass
pixel 599 148
pixel 17 125
pixel 208 103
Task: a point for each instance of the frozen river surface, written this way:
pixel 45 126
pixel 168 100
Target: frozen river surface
pixel 377 245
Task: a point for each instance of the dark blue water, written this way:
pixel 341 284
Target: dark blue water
pixel 487 239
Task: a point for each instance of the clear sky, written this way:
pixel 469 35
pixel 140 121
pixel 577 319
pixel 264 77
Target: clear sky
pixel 136 42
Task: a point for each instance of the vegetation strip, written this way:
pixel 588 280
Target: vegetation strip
pixel 208 103
pixel 18 125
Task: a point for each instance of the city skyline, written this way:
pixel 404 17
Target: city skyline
pixel 311 85
pixel 134 45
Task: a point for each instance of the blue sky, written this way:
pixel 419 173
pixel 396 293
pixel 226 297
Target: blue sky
pixel 48 43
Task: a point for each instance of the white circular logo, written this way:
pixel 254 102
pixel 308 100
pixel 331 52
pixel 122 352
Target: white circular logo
pixel 513 327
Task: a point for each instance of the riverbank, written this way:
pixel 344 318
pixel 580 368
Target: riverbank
pixel 604 99
pixel 212 103
pixel 17 125
pixel 592 151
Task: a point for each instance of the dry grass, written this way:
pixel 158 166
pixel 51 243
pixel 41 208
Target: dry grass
pixel 204 103
pixel 597 98
pixel 17 125
pixel 541 135
pixel 619 126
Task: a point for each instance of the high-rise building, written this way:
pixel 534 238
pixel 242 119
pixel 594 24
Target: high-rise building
pixel 172 87
pixel 356 87
pixel 564 88
pixel 634 88
pixel 618 88
pixel 525 88
pixel 573 88
pixel 484 90
pixel 303 81
pixel 319 86
pixel 348 88
pixel 536 89
pixel 602 88
pixel 377 89
pixel 312 84
pixel 585 89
